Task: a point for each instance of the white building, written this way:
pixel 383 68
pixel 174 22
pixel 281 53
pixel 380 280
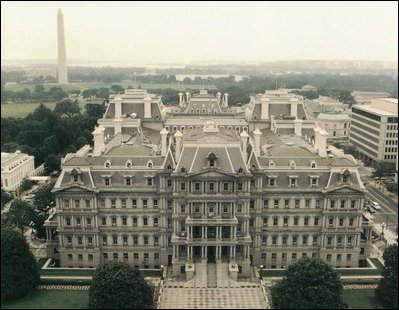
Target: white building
pixel 14 168
pixel 202 182
pixel 336 124
pixel 374 129
pixel 364 97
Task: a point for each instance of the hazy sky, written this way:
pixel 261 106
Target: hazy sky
pixel 149 32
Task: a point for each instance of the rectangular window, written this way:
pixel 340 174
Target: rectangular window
pixel 125 256
pixel 294 240
pixel 80 257
pixel 135 240
pixel 155 221
pixel 332 203
pixel 106 181
pixel 145 221
pixel 66 203
pixel 341 222
pixel 146 255
pixel 124 221
pixel 274 255
pixel 90 241
pixel 296 203
pixel 128 182
pixel 156 256
pixel 252 205
pixel 225 186
pixel 272 181
pixel 266 203
pixel 316 221
pixel 155 203
pixel 113 203
pixel 78 222
pixel 211 186
pixel 306 221
pixel 264 240
pixel 115 256
pixel 145 240
pixel 293 255
pixel 183 186
pixel 286 203
pixel 350 222
pixel 182 208
pixel 265 220
pixel 144 203
pixel 339 257
pixel 342 204
pixel 123 203
pixel 353 203
pixel 90 257
pixel 114 221
pixel 296 220
pixel 134 203
pixel 105 240
pixel 87 204
pixel 169 183
pixel 77 203
pixel 286 221
pixel 156 240
pixel 317 204
pixel 68 221
pixel 307 203
pixel 275 221
pixel 314 240
pixel 330 221
pixel 196 186
pixel 102 203
pixel 284 240
pixel 349 241
pixel 115 240
pixel 348 257
pixel 88 222
pixel 239 186
pixel 80 240
pixel 69 240
pixel 134 221
pixel 276 203
pixel 150 183
pixel 329 241
pixel 105 256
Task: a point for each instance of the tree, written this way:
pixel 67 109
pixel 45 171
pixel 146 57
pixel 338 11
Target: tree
pixel 387 290
pixel 67 107
pixel 117 88
pixel 52 163
pixel 19 273
pixel 116 285
pixel 26 185
pixel 383 168
pixel 308 284
pixel 20 215
pixel 5 197
pixel 44 198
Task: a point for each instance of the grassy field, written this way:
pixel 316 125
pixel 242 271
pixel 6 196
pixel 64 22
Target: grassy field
pixel 20 110
pixel 360 299
pixel 46 299
pixel 82 86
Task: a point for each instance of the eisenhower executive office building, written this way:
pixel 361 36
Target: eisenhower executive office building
pixel 203 182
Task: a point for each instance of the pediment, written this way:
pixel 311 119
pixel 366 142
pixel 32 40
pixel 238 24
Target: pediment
pixel 345 189
pixel 213 173
pixel 74 188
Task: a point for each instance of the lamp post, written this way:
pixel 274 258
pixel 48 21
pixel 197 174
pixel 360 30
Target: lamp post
pixel 261 272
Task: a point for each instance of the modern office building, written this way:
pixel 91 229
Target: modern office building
pixel 202 182
pixel 14 168
pixel 374 129
pixel 364 97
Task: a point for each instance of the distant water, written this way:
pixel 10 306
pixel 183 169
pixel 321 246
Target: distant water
pixel 181 77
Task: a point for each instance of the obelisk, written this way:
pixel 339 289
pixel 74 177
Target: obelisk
pixel 62 66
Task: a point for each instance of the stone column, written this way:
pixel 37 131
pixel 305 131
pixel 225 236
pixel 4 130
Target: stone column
pixel 257 133
pixel 164 134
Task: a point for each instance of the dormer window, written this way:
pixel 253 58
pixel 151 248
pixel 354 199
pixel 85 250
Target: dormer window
pixel 183 170
pixel 107 180
pixel 345 176
pixel 292 164
pixel 169 167
pixel 272 164
pixel 75 174
pixel 212 159
pixel 107 164
pixel 128 164
pixel 272 180
pixel 240 170
pixel 149 164
pixel 314 181
pixel 313 164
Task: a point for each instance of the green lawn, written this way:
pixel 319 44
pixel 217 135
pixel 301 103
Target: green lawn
pixel 46 299
pixel 20 110
pixel 86 85
pixel 360 299
pixel 67 272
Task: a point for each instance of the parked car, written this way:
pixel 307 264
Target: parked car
pixel 375 205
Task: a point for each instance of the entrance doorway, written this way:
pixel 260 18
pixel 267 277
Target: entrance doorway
pixel 197 252
pixel 225 252
pixel 211 254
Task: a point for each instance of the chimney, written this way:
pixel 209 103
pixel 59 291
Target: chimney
pixel 264 108
pixel 219 97
pixel 164 147
pixel 147 107
pixel 257 133
pixel 294 106
pixel 226 99
pixel 320 141
pixel 298 127
pixel 117 125
pixel 99 144
pixel 181 99
pixel 244 139
pixel 178 136
pixel 118 107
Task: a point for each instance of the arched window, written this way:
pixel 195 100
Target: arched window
pixel 272 164
pixel 128 164
pixel 149 164
pixel 292 164
pixel 107 164
pixel 313 164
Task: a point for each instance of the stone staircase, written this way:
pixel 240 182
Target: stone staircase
pixel 212 276
pixel 222 275
pixel 200 275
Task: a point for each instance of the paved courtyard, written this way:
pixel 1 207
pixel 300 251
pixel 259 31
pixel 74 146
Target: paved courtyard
pixel 247 296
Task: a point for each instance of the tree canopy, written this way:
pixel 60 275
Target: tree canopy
pixel 387 290
pixel 116 285
pixel 19 273
pixel 20 215
pixel 308 284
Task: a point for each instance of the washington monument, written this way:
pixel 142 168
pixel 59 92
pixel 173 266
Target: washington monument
pixel 62 66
